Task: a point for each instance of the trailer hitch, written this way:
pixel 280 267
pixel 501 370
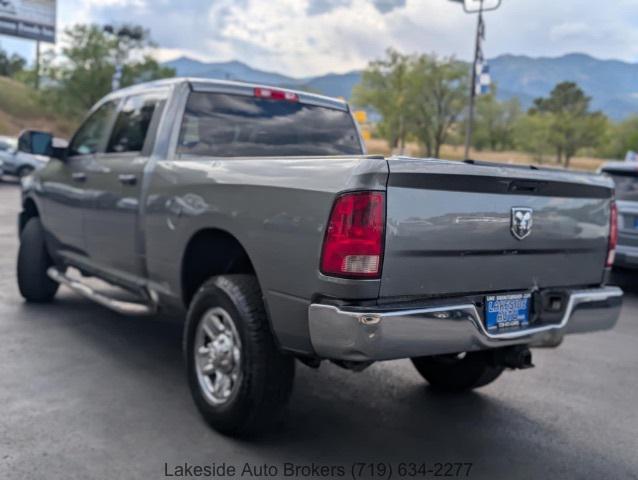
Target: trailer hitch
pixel 514 357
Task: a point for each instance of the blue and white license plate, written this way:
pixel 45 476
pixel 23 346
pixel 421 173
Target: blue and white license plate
pixel 505 312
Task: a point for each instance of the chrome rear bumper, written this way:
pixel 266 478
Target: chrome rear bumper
pixel 356 335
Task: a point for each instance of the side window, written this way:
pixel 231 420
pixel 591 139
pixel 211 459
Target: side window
pixel 93 132
pixel 131 125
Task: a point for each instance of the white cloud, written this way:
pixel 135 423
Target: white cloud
pixel 568 30
pixel 340 38
pixel 284 33
pixel 116 3
pixel 308 37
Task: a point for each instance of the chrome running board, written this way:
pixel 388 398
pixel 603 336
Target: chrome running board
pixel 119 306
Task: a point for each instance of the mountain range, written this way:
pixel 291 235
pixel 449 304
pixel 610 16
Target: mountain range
pixel 612 84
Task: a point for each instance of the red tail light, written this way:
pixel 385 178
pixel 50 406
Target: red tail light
pixel 353 246
pixel 273 94
pixel 613 234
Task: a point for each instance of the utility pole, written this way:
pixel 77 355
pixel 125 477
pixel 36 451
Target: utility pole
pixel 469 128
pixel 469 6
pixel 122 33
pixel 37 65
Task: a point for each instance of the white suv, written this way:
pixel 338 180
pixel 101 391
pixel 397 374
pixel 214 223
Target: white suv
pixel 16 163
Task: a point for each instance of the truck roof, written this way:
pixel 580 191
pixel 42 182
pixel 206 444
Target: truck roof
pixel 229 86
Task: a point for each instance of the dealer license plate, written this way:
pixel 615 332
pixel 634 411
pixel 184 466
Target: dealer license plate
pixel 506 312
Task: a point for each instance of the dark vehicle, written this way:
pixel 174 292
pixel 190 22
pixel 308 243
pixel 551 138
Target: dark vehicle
pixel 625 177
pixel 258 213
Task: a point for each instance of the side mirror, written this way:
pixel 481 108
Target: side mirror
pixel 59 153
pixel 35 142
pixel 59 149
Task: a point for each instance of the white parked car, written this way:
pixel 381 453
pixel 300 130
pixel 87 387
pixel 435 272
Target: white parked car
pixel 8 143
pixel 16 161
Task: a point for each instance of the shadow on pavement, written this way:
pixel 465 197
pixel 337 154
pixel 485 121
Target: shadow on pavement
pixel 384 414
pixel 626 279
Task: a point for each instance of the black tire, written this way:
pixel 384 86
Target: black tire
pixel 266 374
pixel 33 261
pixel 25 170
pixel 452 373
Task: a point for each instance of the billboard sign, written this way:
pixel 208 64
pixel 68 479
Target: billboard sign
pixel 33 19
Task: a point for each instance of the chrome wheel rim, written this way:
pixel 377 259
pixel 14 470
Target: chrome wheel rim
pixel 218 356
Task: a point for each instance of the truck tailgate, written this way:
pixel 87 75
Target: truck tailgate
pixel 449 228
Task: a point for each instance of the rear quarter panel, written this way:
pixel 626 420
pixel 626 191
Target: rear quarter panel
pixel 276 207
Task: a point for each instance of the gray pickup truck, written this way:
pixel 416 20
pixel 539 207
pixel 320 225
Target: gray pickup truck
pixel 257 213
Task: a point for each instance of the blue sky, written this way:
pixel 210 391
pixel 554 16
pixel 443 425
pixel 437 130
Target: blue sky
pixel 310 37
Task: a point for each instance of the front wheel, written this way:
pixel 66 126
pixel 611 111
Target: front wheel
pixel 33 261
pixel 458 373
pixel 239 379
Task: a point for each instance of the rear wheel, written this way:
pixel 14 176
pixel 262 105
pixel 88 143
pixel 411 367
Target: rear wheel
pixel 458 373
pixel 239 379
pixel 33 262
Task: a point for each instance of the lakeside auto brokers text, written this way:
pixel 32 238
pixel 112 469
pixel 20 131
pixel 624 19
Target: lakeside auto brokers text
pixel 355 470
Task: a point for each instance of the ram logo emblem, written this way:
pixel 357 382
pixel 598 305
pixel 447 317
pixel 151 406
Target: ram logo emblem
pixel 522 221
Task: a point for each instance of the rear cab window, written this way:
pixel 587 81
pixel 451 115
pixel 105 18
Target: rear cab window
pixel 231 125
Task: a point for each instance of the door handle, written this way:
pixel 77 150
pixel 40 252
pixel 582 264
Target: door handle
pixel 127 179
pixel 78 177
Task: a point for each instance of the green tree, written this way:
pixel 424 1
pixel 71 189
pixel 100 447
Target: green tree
pixel 623 136
pixel 83 73
pixel 495 122
pixel 11 65
pixel 565 97
pixel 421 96
pixel 532 134
pixel 437 97
pixel 573 126
pixel 384 88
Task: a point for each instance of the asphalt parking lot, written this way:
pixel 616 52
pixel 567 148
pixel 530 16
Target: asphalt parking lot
pixel 88 394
